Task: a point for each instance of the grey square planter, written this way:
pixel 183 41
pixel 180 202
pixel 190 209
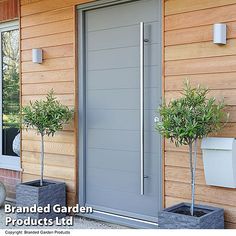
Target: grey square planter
pixel 213 218
pixel 30 193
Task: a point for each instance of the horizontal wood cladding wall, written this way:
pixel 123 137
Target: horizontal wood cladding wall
pixel 50 25
pixel 8 10
pixel 191 54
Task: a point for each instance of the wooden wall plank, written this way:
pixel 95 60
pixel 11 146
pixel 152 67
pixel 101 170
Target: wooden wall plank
pixel 67 99
pixel 200 50
pixel 50 147
pixel 229 225
pixel 48 76
pixel 228 131
pixel 45 5
pixel 47 29
pixel 47 17
pixel 49 65
pixel 176 6
pixel 181 159
pixel 232 113
pixel 201 66
pixel 58 88
pixel 214 81
pixel 50 171
pixel 71 199
pixel 50 52
pixel 51 159
pixel 217 195
pixel 191 35
pixel 60 136
pixel 199 18
pixel 170 147
pixel 196 34
pixel 182 174
pixel 48 41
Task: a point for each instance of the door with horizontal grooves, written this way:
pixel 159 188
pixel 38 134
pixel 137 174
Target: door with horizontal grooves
pixel 119 124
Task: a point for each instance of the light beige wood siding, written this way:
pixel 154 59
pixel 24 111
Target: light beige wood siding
pixel 191 54
pixel 50 25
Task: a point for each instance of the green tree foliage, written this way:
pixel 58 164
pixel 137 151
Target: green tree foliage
pixel 47 117
pixel 10 73
pixel 189 118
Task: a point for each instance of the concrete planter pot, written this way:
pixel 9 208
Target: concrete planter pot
pixel 30 193
pixel 208 217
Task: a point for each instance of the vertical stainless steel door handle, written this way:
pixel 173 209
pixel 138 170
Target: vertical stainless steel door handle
pixel 142 106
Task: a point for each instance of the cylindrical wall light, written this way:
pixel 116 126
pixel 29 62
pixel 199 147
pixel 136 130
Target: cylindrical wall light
pixel 219 33
pixel 37 55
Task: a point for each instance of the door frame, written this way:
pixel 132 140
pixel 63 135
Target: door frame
pixel 81 134
pixel 7 161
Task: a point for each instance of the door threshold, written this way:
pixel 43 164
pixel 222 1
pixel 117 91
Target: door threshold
pixel 120 220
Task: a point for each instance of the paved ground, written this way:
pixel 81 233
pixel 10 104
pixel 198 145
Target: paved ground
pixel 79 223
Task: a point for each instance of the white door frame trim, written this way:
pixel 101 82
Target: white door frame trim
pixel 7 162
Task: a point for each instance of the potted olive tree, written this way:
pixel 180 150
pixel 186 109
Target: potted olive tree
pixel 46 117
pixel 184 121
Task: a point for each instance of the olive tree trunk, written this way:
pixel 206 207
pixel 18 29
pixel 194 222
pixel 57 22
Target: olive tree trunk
pixel 193 164
pixel 42 160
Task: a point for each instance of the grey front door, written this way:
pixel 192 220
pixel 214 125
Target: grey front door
pixel 112 109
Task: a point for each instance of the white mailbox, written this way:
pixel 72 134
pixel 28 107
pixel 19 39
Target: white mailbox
pixel 219 159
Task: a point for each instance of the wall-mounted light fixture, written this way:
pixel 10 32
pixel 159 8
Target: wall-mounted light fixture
pixel 219 33
pixel 37 55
